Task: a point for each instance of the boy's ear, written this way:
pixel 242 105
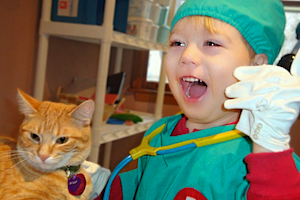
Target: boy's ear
pixel 260 59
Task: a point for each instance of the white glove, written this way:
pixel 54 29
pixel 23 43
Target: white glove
pixel 99 177
pixel 270 99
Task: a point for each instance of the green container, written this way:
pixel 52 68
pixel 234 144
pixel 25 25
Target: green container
pixel 163 34
pixel 163 17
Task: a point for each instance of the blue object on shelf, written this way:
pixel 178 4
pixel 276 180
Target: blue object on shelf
pixel 120 17
pixel 89 12
pixel 74 11
pixel 114 121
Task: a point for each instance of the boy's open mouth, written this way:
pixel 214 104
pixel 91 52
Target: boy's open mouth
pixel 193 87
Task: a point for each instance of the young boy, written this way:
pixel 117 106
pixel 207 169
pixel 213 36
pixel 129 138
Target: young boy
pixel 209 41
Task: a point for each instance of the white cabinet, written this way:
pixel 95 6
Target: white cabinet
pixel 105 37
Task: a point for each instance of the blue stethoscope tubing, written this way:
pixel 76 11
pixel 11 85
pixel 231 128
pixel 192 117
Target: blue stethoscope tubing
pixel 113 175
pixel 128 159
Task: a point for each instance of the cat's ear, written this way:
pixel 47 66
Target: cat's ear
pixel 84 112
pixel 27 104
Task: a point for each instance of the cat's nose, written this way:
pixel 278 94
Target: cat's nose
pixel 43 157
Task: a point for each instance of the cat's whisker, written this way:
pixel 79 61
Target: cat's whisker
pixel 11 157
pixel 23 165
pixel 11 153
pixel 15 150
pixel 19 152
pixel 5 152
pixel 20 162
pixel 14 166
pixel 18 155
pixel 5 156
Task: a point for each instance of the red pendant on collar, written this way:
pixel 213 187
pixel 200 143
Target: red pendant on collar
pixel 76 184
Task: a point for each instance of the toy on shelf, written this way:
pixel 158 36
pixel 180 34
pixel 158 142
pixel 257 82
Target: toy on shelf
pixel 109 106
pixel 81 89
pixel 126 117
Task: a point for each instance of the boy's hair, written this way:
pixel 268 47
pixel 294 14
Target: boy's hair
pixel 261 22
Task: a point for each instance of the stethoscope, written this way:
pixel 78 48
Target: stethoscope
pixel 145 149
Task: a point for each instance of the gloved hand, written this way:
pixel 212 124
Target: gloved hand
pixel 269 97
pixel 99 176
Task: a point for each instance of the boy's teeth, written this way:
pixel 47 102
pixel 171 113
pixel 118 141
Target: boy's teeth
pixel 191 79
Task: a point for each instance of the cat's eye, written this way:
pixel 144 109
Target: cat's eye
pixel 35 137
pixel 62 140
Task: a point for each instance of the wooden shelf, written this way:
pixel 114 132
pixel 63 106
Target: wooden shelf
pixel 95 33
pixel 111 132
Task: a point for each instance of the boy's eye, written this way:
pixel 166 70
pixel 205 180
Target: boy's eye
pixel 62 140
pixel 35 137
pixel 177 44
pixel 211 44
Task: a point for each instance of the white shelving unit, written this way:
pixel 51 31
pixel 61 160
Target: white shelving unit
pixel 106 38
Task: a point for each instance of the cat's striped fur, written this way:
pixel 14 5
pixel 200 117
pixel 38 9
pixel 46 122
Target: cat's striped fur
pixel 51 136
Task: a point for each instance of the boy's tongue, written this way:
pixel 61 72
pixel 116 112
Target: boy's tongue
pixel 193 90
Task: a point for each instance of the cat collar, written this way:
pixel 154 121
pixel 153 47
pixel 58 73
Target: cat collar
pixel 71 170
pixel 76 181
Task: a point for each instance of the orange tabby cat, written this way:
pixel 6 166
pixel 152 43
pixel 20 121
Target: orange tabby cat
pixel 52 136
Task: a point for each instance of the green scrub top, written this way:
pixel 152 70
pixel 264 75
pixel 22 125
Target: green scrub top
pixel 211 172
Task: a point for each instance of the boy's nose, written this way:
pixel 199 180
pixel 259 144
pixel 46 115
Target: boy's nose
pixel 191 56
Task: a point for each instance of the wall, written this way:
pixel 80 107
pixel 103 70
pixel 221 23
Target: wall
pixel 18 42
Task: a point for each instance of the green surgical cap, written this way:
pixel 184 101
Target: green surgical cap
pixel 261 22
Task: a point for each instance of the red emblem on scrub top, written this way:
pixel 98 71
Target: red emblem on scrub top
pixel 189 194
